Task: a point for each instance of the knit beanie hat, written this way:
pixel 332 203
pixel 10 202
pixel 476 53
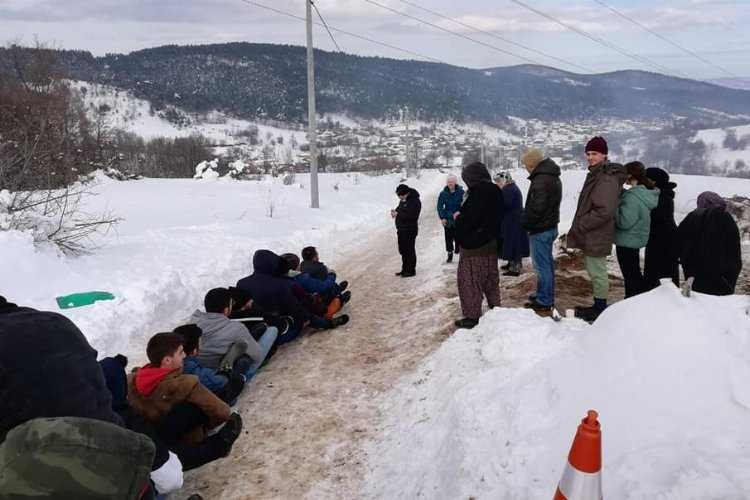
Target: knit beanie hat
pixel 475 173
pixel 402 189
pixel 709 199
pixel 598 144
pixel 532 158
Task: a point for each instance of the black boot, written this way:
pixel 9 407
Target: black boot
pixel 467 323
pixel 343 286
pixel 450 258
pixel 340 321
pixel 231 430
pixel 345 297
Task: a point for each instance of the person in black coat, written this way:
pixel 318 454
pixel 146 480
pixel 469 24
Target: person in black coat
pixel 477 225
pixel 711 251
pixel 663 248
pixel 515 241
pixel 47 369
pixel 407 228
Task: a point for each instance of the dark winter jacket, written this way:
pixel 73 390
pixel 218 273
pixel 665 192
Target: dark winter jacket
pixel 542 211
pixel 480 216
pixel 271 291
pixel 663 247
pixel 449 203
pixel 515 239
pixel 593 229
pixel 711 251
pixel 47 369
pixel 317 270
pixel 407 212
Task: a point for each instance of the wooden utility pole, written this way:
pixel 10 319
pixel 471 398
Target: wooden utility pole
pixel 312 134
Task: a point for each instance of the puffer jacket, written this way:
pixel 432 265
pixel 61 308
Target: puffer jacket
pixel 153 392
pixel 542 211
pixel 407 212
pixel 593 229
pixel 633 218
pixel 449 203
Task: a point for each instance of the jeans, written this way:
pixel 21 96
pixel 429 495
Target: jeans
pixel 544 265
pixel 451 245
pixel 248 366
pixel 406 247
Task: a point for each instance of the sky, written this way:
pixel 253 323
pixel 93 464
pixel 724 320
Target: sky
pixel 489 33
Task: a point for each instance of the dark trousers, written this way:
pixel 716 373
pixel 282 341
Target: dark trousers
pixel 407 241
pixel 629 260
pixel 182 419
pixel 451 245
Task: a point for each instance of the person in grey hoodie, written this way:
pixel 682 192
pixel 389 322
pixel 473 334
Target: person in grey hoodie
pixel 222 335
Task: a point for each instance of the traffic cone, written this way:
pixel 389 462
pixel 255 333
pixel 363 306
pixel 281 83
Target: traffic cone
pixel 582 479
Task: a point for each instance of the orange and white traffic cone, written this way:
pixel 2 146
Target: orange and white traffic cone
pixel 582 479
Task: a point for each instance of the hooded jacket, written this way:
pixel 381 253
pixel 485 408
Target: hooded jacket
pixel 407 212
pixel 47 369
pixel 542 211
pixel 449 203
pixel 663 247
pixel 711 251
pixel 633 218
pixel 153 392
pixel 219 333
pixel 593 229
pixel 270 290
pixel 481 214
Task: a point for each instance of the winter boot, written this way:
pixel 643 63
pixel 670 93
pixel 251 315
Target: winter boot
pixel 345 297
pixel 591 314
pixel 408 275
pixel 343 286
pixel 450 258
pixel 340 321
pixel 231 431
pixel 536 306
pixel 467 323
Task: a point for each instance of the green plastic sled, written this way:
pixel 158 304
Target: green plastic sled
pixel 82 299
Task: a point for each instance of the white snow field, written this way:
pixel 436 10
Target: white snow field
pixel 493 412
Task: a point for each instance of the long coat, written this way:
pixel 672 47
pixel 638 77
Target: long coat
pixel 711 251
pixel 515 239
pixel 480 217
pixel 593 229
pixel 663 247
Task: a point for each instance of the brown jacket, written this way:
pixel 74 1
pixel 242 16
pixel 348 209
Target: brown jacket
pixel 174 388
pixel 593 229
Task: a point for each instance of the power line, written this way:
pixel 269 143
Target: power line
pixel 454 33
pixel 344 32
pixel 662 37
pixel 495 35
pixel 601 41
pixel 326 26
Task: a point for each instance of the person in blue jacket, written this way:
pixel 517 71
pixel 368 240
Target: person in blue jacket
pixel 515 238
pixel 448 206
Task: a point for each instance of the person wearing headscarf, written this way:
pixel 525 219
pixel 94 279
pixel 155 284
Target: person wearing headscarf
pixel 449 202
pixel 515 239
pixel 477 225
pixel 710 250
pixel 663 249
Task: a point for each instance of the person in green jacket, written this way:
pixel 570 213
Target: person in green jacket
pixel 633 223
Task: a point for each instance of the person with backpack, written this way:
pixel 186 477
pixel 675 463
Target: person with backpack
pixel 633 225
pixel 406 216
pixel 711 251
pixel 540 218
pixel 477 225
pixel 663 247
pixel 593 229
pixel 449 203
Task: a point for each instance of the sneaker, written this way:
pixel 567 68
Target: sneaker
pixel 467 323
pixel 340 321
pixel 231 430
pixel 536 306
pixel 450 258
pixel 408 275
pixel 345 297
pixel 343 286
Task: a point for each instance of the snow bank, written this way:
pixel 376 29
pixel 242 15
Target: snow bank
pixel 492 413
pixel 181 237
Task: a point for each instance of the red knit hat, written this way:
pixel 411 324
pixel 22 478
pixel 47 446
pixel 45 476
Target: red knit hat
pixel 597 144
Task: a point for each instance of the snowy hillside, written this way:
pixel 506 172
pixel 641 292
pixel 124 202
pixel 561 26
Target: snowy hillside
pixel 725 156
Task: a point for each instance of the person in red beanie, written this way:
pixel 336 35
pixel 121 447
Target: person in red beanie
pixel 593 229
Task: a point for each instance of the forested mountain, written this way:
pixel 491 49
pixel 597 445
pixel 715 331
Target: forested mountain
pixel 262 81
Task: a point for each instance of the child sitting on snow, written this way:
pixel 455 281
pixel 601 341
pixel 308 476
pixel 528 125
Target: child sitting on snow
pixel 327 289
pixel 179 407
pixel 220 334
pixel 225 384
pixel 311 265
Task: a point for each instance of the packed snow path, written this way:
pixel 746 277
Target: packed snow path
pixel 308 412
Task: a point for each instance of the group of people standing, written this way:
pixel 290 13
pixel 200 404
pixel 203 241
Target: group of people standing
pixel 630 207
